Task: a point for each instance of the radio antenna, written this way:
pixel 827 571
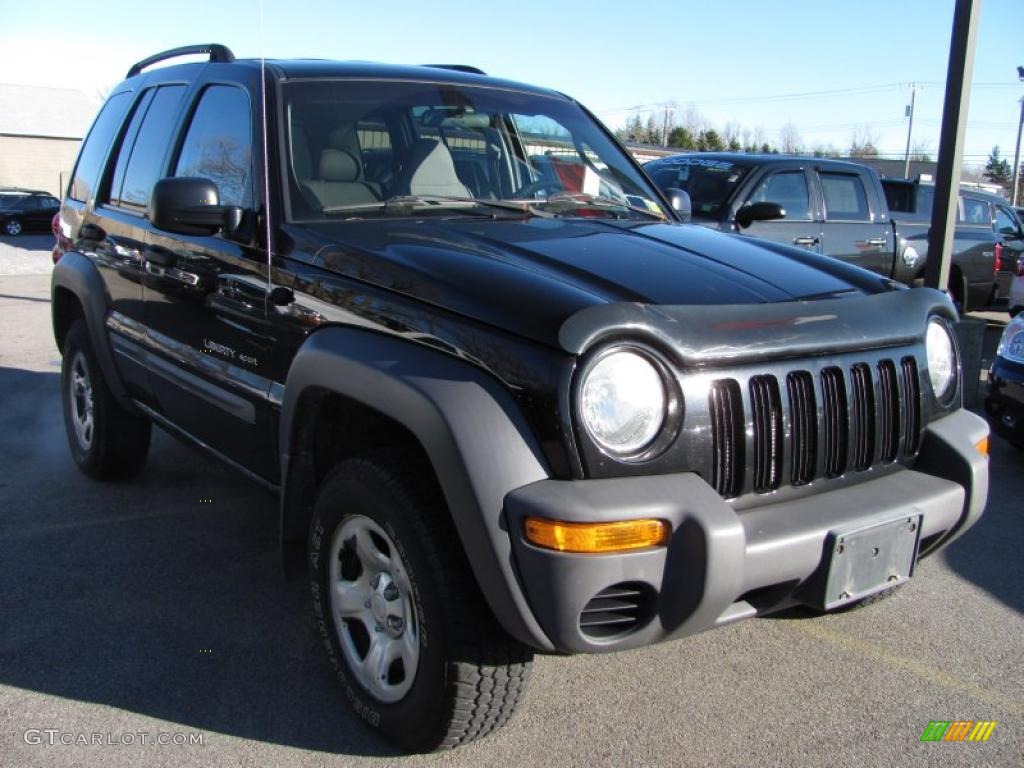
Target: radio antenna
pixel 266 157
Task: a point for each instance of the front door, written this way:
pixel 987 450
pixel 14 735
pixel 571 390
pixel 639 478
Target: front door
pixel 205 298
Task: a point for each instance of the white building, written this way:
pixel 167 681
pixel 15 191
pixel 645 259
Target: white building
pixel 40 132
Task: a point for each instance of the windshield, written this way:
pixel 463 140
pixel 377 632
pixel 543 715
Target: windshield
pixel 362 149
pixel 710 183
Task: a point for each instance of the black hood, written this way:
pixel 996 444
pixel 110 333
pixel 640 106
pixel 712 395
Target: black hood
pixel 529 275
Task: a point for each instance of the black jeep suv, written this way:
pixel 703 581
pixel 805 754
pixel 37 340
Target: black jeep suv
pixel 509 402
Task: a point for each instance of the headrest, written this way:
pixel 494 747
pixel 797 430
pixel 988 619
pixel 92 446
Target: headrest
pixel 338 165
pixel 343 137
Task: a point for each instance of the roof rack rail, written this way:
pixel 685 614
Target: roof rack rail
pixel 458 68
pixel 219 53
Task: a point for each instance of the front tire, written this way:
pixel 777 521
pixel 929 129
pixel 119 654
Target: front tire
pixel 106 441
pixel 407 631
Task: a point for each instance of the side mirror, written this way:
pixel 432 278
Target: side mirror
pixel 680 202
pixel 191 206
pixel 1010 232
pixel 752 212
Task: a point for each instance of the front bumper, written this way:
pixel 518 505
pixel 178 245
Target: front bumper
pixel 1005 401
pixel 722 565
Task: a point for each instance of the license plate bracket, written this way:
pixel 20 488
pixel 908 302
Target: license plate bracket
pixel 868 559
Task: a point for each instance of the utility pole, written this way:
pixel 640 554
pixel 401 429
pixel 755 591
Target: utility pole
pixel 959 71
pixel 664 130
pixel 1016 155
pixel 910 128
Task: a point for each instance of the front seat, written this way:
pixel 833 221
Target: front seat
pixel 429 170
pixel 336 182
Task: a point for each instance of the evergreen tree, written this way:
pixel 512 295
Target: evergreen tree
pixel 998 170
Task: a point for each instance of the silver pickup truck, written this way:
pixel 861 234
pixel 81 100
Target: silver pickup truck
pixel 833 207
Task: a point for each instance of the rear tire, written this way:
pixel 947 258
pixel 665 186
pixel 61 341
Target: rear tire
pixel 107 442
pixel 12 227
pixel 410 637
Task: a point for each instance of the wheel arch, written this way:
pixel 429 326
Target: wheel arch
pixel 462 423
pixel 78 291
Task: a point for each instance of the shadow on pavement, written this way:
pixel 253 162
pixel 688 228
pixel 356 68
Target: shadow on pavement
pixel 162 596
pixel 30 241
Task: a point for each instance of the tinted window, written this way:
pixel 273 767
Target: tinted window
pixel 90 159
pixel 845 198
pixel 788 189
pixel 145 161
pixel 219 144
pixel 976 212
pixel 709 183
pixel 925 200
pixel 1006 222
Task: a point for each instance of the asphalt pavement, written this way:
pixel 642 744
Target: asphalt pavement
pixel 156 610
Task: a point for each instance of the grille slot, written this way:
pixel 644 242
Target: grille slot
pixel 889 410
pixel 803 414
pixel 616 610
pixel 834 416
pixel 725 400
pixel 862 416
pixel 766 412
pixel 911 406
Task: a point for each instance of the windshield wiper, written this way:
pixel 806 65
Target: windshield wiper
pixel 576 201
pixel 421 202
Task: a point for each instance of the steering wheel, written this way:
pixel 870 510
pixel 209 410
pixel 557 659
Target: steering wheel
pixel 531 189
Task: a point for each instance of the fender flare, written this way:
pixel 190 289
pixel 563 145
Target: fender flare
pixel 473 432
pixel 78 275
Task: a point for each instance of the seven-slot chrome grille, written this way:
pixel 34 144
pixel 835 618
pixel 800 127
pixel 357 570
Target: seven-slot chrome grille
pixel 805 422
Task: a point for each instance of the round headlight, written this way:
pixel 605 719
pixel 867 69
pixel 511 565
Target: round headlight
pixel 941 359
pixel 622 402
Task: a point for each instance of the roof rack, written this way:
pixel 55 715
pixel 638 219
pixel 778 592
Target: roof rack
pixel 219 53
pixel 458 68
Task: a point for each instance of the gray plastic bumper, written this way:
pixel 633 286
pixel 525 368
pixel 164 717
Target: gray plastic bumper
pixel 721 565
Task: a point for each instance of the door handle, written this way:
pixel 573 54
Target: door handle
pixel 808 241
pixel 159 256
pixel 878 242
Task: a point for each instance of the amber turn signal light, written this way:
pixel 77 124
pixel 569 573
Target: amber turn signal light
pixel 592 538
pixel 982 446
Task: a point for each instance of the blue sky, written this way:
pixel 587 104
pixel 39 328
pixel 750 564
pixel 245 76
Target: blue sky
pixel 744 61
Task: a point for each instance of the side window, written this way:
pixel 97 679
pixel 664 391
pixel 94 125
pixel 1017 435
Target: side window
pixel 218 145
pixel 845 198
pixel 976 211
pixel 140 162
pixel 1006 222
pixel 94 150
pixel 788 189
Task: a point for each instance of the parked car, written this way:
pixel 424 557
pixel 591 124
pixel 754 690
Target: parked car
pixel 977 213
pixel 1005 401
pixel 510 403
pixel 22 210
pixel 833 207
pixel 1015 302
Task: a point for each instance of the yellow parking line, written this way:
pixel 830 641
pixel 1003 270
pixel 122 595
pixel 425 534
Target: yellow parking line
pixel 935 676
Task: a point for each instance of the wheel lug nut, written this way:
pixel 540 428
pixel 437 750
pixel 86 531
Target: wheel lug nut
pixel 390 592
pixel 395 623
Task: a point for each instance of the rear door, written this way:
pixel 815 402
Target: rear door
pixel 791 188
pixel 854 227
pixel 205 295
pixel 113 232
